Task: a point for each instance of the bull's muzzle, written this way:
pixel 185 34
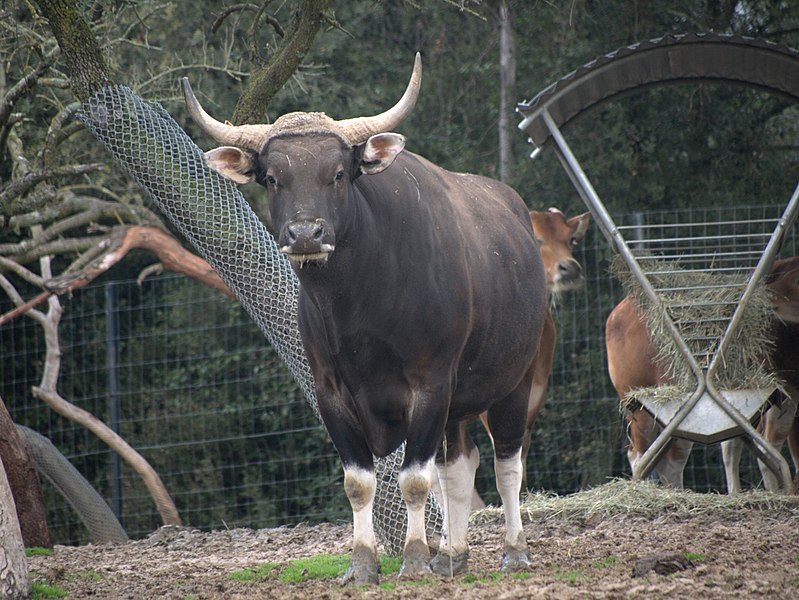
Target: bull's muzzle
pixel 307 241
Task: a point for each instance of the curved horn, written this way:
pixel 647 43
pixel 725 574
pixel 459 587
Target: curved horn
pixel 360 129
pixel 250 137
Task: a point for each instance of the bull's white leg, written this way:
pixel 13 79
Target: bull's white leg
pixel 731 455
pixel 509 483
pixel 414 483
pixel 457 483
pixel 360 485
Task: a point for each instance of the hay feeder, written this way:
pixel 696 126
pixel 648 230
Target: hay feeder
pixel 723 259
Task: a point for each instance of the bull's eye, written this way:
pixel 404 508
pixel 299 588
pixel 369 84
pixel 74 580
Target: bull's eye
pixel 339 176
pixel 270 180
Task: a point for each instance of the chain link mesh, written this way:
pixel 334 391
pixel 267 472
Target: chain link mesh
pixel 214 217
pixel 90 506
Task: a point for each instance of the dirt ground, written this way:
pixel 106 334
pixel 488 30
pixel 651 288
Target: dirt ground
pixel 676 552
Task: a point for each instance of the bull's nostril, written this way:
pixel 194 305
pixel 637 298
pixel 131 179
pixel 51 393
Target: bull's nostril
pixel 318 232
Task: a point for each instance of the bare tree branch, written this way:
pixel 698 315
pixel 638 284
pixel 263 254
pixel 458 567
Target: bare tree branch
pixel 46 392
pixel 24 85
pixel 20 187
pixel 272 21
pixel 113 249
pixel 172 255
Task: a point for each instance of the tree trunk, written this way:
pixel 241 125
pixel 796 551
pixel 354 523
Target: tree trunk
pixel 507 91
pixel 266 81
pixel 24 483
pixel 88 73
pixel 14 580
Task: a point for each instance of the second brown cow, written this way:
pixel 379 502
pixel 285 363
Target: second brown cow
pixel 633 363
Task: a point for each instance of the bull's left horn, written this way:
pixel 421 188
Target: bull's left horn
pixel 360 129
pixel 250 137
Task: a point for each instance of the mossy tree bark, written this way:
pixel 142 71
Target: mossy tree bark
pixel 24 482
pixel 88 72
pixel 14 579
pixel 267 80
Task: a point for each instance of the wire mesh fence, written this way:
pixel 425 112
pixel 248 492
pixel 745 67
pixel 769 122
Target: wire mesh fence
pixel 208 401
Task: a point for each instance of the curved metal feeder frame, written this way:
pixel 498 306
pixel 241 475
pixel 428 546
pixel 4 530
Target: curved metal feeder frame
pixel 675 59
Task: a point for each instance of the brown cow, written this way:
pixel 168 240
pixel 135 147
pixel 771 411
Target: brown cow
pixel 632 363
pixel 557 236
pixel 780 421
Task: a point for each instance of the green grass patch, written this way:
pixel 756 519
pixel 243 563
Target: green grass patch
pixel 571 577
pixel 694 557
pixel 315 567
pixel 37 551
pixel 260 572
pixel 471 579
pixel 606 563
pixel 41 590
pixel 390 565
pixel 521 575
pixel 90 575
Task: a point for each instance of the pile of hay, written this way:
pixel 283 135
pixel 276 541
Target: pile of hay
pixel 641 498
pixel 702 313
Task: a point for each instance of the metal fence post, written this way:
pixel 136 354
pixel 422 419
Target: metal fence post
pixel 112 364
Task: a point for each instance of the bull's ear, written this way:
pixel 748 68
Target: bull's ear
pixel 379 152
pixel 231 163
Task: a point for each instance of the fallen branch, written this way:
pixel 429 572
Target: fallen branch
pixel 116 246
pixel 122 240
pixel 48 394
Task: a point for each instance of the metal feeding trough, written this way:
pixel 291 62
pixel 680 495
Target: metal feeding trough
pixel 726 257
pixel 707 423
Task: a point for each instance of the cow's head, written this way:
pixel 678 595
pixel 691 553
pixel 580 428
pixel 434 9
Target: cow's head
pixel 557 237
pixel 307 163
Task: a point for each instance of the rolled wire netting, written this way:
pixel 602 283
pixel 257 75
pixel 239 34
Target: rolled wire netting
pixel 99 519
pixel 214 217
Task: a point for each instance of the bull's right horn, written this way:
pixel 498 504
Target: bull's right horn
pixel 360 129
pixel 250 137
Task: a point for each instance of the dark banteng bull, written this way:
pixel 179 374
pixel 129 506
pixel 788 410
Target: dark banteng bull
pixel 557 237
pixel 422 299
pixel 632 363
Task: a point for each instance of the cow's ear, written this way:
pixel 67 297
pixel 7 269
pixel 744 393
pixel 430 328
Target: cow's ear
pixel 581 222
pixel 379 152
pixel 232 163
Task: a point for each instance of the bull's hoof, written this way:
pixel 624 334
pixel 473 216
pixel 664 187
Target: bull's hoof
pixel 415 560
pixel 364 568
pixel 447 565
pixel 515 560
